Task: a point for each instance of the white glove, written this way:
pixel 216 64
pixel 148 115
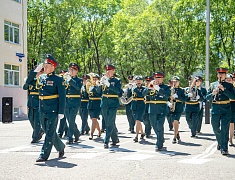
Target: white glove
pixel 38 68
pixel 60 116
pixel 197 97
pixel 129 86
pixel 134 85
pixel 106 82
pixel 169 104
pixel 156 87
pixel 175 96
pixel 68 77
pixel 91 88
pixel 190 95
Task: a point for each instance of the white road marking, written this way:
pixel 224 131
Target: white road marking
pixel 86 155
pixel 15 149
pixel 136 157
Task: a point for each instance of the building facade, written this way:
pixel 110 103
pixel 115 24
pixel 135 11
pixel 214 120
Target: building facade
pixel 13 55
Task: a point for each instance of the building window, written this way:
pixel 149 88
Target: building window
pixel 12 32
pixel 17 1
pixel 11 75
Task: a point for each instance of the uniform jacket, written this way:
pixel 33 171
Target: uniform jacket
pixel 84 97
pixel 136 93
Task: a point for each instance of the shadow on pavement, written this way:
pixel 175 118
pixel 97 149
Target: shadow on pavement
pixel 57 163
pixel 231 156
pixel 114 149
pixel 144 142
pixel 188 143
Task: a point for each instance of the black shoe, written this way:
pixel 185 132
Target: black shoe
pixel 178 136
pixel 148 136
pixel 198 132
pixel 224 153
pixel 142 136
pixel 174 140
pixel 114 144
pixel 86 132
pixel 106 146
pixel 129 129
pixel 82 133
pixel 102 130
pixel 34 141
pixel 41 159
pixel 135 139
pixel 132 131
pixel 69 142
pixel 231 145
pixel 193 136
pixel 117 141
pixel 160 149
pixel 218 147
pixel 61 153
pixel 91 137
pixel 171 129
pixel 76 139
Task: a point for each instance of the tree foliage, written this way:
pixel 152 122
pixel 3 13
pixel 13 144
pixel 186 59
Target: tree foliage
pixel 137 36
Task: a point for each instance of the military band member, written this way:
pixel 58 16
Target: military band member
pixel 51 108
pixel 202 103
pixel 168 114
pixel 63 127
pixel 146 120
pixel 111 89
pixel 83 111
pixel 229 79
pixel 219 93
pixel 73 86
pixel 193 98
pixel 137 105
pixel 159 94
pixel 129 113
pixel 33 103
pixel 94 109
pixel 176 105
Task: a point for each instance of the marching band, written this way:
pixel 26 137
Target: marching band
pixel 62 97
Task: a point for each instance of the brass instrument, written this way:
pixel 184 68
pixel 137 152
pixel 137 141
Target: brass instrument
pixel 151 86
pixel 217 89
pixel 172 100
pixel 124 100
pixel 89 82
pixel 193 89
pixel 66 82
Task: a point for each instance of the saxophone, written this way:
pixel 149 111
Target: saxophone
pixel 172 100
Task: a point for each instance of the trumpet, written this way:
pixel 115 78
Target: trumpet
pixel 151 84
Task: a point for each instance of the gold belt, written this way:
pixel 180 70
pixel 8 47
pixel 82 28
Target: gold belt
pixel 178 101
pixel 138 99
pixel 110 95
pixel 192 102
pixel 232 100
pixel 48 97
pixel 94 98
pixel 157 102
pixel 147 102
pixel 73 96
pixel 34 93
pixel 221 102
pixel 84 100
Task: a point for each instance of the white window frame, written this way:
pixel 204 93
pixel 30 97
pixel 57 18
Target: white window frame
pixel 11 75
pixel 11 32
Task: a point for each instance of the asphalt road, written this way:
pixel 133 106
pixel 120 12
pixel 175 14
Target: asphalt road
pixel 87 159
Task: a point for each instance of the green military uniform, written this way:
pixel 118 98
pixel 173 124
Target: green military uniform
pixel 52 103
pixel 221 111
pixel 157 109
pixel 73 101
pixel 200 114
pixel 109 105
pixel 93 106
pixel 83 111
pixel 33 106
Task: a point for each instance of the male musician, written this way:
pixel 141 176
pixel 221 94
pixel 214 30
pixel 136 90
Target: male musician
pixel 193 98
pixel 137 105
pixel 33 103
pixel 146 120
pixel 202 103
pixel 229 79
pixel 51 108
pixel 63 127
pixel 129 113
pixel 73 86
pixel 111 90
pixel 176 105
pixel 168 114
pixel 83 111
pixel 219 93
pixel 94 109
pixel 159 94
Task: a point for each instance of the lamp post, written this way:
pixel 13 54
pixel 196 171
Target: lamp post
pixel 207 107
